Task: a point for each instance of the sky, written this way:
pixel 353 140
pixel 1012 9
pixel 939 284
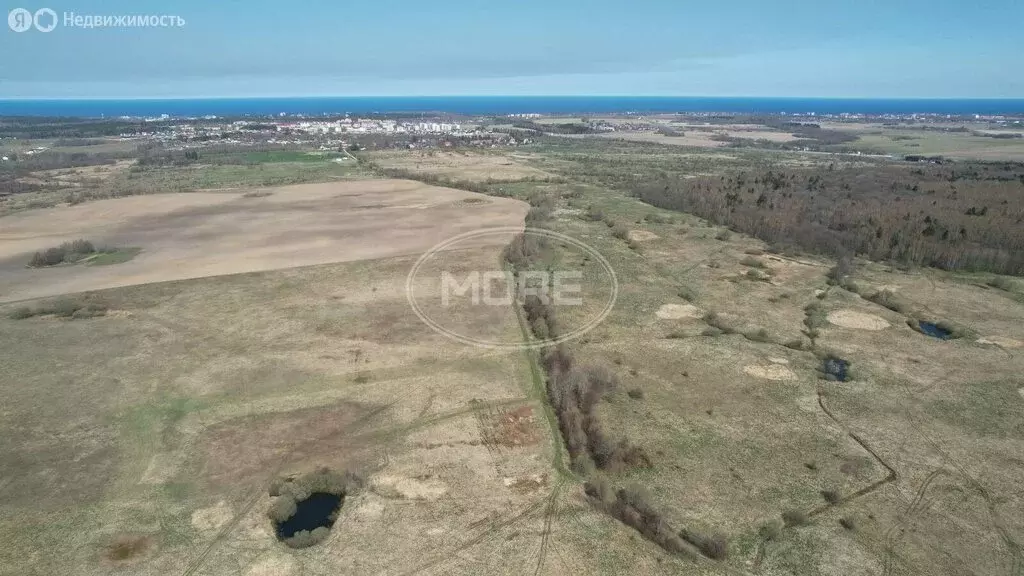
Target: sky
pixel 795 48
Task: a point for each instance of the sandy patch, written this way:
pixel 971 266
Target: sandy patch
pixel 778 361
pixel 678 311
pixel 272 565
pixel 409 488
pixel 1021 392
pixel 773 372
pixel 857 320
pixel 1001 341
pixel 642 235
pixel 212 518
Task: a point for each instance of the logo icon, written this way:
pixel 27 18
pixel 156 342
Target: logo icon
pixel 20 20
pixel 42 23
pixel 457 289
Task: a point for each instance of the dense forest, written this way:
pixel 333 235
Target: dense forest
pixel 967 216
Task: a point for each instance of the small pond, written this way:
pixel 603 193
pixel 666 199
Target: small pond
pixel 836 368
pixel 314 512
pixel 934 330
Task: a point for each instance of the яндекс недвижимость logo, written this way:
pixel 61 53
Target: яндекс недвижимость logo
pixel 46 20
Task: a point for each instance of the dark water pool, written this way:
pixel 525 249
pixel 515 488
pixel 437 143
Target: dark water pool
pixel 312 513
pixel 837 368
pixel 934 330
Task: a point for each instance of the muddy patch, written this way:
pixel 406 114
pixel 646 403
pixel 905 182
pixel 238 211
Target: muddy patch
pixel 642 236
pixel 678 312
pixel 857 320
pixel 775 372
pixel 510 428
pixel 127 548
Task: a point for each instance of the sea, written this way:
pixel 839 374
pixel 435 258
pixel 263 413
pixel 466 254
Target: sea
pixel 503 105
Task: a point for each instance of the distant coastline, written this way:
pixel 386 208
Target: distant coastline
pixel 503 105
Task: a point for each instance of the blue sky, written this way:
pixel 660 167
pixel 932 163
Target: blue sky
pixel 829 48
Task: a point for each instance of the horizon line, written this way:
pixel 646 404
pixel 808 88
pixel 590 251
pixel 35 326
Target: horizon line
pixel 265 97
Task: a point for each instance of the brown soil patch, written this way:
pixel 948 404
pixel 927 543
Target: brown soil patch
pixel 127 548
pixel 511 428
pixel 857 320
pixel 642 235
pixel 678 311
pixel 773 372
pixel 202 234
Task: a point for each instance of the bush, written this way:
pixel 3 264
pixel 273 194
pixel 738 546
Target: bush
pixel 67 252
pixel 305 538
pixel 794 518
pixel 723 235
pixel 711 331
pixel 831 496
pixel 761 335
pixel 1003 283
pixel 20 313
pixel 795 344
pixel 636 394
pixel 752 262
pixel 620 232
pixel 891 301
pixel 688 293
pixel 770 530
pixel 754 252
pixel 848 523
pixel 715 546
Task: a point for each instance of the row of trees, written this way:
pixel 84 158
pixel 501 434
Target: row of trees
pixel 961 218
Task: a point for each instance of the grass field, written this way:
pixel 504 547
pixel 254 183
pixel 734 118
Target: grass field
pixel 263 332
pixel 913 454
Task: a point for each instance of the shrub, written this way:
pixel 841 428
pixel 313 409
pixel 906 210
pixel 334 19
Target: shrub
pixel 831 496
pixel 795 344
pixel 306 538
pixel 711 331
pixel 848 523
pixel 20 313
pixel 1003 283
pixel 714 546
pixel 752 262
pixel 754 252
pixel 599 489
pixel 723 235
pixel 794 518
pixel 891 301
pixel 770 530
pixel 677 335
pixel 761 335
pixel 66 252
pixel 620 232
pixel 688 293
pixel 594 214
pixel 838 274
pixel 636 394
